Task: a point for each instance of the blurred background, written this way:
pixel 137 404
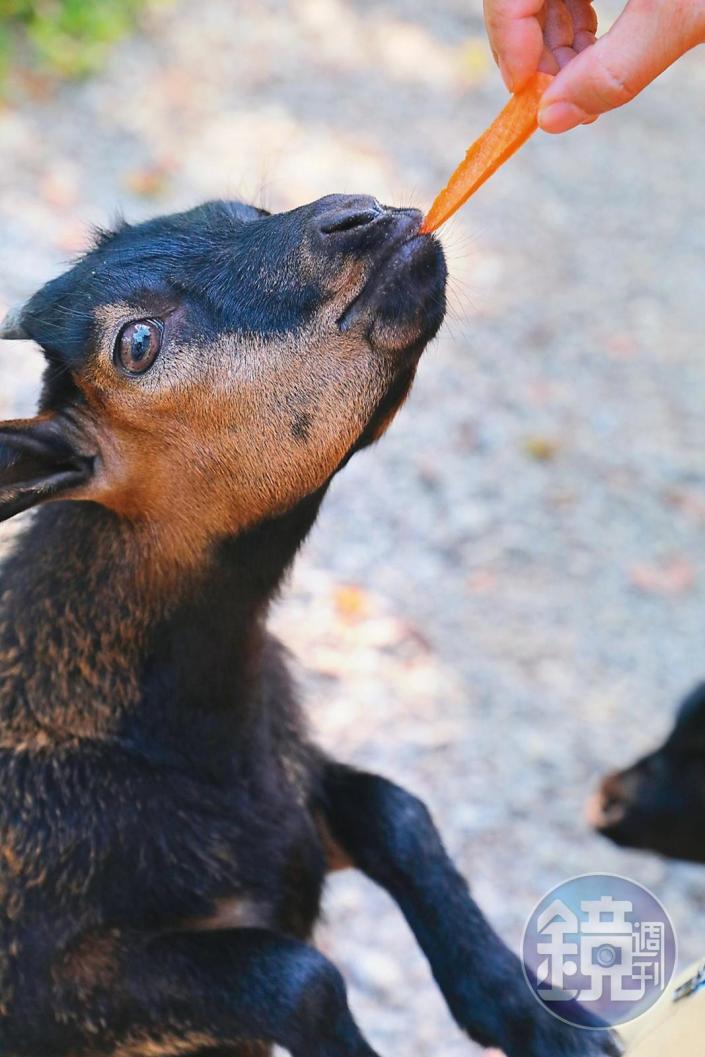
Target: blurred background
pixel 506 597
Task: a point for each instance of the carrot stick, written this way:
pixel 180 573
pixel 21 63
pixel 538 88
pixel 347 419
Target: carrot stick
pixel 507 133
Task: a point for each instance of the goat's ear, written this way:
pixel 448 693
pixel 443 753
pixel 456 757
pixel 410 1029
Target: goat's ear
pixel 12 328
pixel 37 462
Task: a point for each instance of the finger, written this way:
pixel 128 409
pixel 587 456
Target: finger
pixel 583 39
pixel 583 15
pixel 563 56
pixel 558 28
pixel 548 62
pixel 561 117
pixel 515 37
pixel 643 42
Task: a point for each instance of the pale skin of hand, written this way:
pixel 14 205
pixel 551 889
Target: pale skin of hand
pixel 558 37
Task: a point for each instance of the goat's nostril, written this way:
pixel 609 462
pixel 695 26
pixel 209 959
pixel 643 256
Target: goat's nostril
pixel 349 220
pixel 609 804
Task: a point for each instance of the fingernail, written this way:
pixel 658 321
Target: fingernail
pixel 560 117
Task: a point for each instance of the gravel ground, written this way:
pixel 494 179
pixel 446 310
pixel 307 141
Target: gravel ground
pixel 506 596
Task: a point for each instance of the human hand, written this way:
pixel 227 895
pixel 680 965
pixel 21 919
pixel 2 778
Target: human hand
pixel 558 36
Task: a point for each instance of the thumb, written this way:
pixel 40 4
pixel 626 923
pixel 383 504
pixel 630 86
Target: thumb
pixel 646 38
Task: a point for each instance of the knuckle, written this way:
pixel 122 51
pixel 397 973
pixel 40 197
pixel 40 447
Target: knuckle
pixel 613 87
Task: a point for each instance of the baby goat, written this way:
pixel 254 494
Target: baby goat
pixel 165 822
pixel 658 803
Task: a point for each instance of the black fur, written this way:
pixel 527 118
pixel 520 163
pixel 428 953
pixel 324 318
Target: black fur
pixel 165 820
pixel 658 803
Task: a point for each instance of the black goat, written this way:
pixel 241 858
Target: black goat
pixel 165 821
pixel 658 803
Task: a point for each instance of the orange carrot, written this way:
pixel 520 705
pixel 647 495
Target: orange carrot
pixel 507 133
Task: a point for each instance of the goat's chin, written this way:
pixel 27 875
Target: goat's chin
pixel 410 298
pixel 643 837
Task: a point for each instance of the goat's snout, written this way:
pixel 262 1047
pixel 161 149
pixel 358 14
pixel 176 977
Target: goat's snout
pixel 393 275
pixel 358 224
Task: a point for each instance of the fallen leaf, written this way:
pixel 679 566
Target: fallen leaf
pixel 148 182
pixel 542 449
pixel 351 602
pixel 673 576
pixel 688 501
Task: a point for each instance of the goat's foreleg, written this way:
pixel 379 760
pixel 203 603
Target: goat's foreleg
pixel 389 835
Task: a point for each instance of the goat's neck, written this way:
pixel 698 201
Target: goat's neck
pixel 93 645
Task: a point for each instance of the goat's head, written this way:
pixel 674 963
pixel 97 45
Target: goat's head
pixel 209 369
pixel 658 803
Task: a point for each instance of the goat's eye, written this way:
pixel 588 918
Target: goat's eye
pixel 138 345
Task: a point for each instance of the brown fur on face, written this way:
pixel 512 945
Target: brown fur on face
pixel 228 416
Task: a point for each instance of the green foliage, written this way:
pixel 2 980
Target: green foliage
pixel 65 37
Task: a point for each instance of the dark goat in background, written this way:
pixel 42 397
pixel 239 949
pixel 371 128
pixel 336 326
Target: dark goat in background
pixel 165 822
pixel 658 803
